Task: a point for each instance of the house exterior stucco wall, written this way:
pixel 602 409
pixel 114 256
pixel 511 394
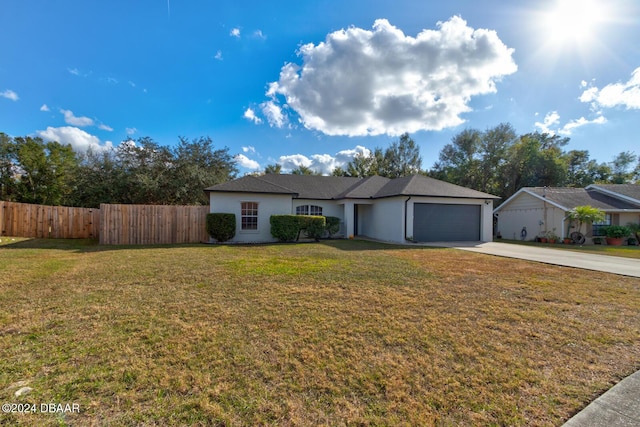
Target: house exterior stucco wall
pixel 383 220
pixel 268 204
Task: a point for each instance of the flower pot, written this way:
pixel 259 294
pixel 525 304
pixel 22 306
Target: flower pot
pixel 567 241
pixel 615 241
pixel 543 240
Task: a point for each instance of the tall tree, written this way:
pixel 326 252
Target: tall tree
pixel 536 160
pixel 401 158
pixel 196 165
pixel 304 170
pixel 45 171
pixel 7 168
pixel 276 168
pixel 459 162
pixel 622 168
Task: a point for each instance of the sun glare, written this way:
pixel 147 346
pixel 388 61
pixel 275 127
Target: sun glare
pixel 574 21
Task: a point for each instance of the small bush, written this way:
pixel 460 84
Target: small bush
pixel 285 228
pixel 313 226
pixel 221 226
pixel 333 225
pixel 616 231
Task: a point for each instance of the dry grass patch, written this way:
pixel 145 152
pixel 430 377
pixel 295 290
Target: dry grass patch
pixel 342 332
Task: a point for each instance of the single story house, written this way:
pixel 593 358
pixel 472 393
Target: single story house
pixel 533 211
pixel 412 208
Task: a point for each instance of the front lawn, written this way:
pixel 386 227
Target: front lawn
pixel 339 332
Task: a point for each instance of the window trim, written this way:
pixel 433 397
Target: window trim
pixel 249 212
pixel 308 209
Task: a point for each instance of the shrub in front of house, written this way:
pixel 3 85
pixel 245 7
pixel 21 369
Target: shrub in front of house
pixel 221 226
pixel 285 228
pixel 333 225
pixel 313 226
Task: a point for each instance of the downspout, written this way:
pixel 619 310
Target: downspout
pixel 406 202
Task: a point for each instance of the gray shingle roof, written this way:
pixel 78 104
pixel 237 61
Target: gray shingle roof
pixel 250 184
pixel 628 190
pixel 420 185
pixel 572 197
pixel 337 187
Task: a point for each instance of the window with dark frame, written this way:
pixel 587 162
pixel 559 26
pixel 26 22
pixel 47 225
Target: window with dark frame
pixel 598 226
pixel 249 216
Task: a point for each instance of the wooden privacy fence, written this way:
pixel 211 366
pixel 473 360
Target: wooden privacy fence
pixel 111 224
pixel 151 224
pixel 56 222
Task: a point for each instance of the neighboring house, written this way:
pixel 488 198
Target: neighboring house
pixel 541 209
pixel 414 208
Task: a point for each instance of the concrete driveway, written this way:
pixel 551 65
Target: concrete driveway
pixel 605 263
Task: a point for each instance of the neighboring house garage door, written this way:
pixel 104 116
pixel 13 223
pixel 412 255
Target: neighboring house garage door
pixel 446 223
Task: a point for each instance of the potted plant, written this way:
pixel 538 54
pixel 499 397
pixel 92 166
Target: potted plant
pixel 542 238
pixel 552 237
pixel 567 240
pixel 616 234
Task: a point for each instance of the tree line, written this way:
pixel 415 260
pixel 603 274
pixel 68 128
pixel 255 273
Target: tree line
pixel 496 161
pixel 136 172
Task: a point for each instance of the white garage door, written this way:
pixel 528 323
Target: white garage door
pixel 446 222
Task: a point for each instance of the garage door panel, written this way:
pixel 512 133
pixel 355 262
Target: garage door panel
pixel 446 222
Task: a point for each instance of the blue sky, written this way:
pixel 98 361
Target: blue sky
pixel 314 82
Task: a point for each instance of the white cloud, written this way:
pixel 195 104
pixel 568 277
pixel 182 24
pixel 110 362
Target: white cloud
pixel 44 108
pixel 293 161
pixel 259 34
pixel 80 140
pixel 218 55
pixel 105 127
pixel 550 119
pixel 250 115
pixel 9 94
pixel 616 94
pixel 131 131
pixel 235 32
pixel 380 81
pixel 74 71
pixel 246 162
pixel 273 113
pixel 70 119
pixel 574 124
pixel 323 163
pixel 551 124
pixel 249 149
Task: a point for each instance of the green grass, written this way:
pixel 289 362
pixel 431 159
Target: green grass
pixel 335 333
pixel 621 251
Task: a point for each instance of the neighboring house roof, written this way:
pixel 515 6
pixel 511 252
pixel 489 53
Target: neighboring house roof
pixel 629 192
pixel 569 198
pixel 337 187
